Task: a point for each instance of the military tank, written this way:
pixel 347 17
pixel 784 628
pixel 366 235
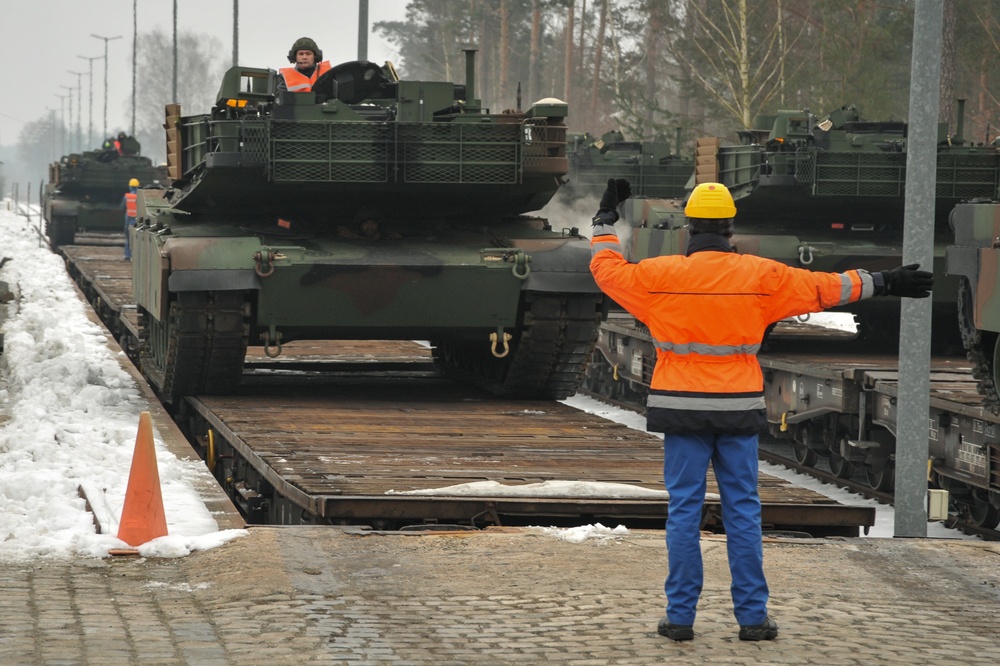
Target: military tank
pixel 827 193
pixel 85 190
pixel 974 260
pixel 371 207
pixel 650 166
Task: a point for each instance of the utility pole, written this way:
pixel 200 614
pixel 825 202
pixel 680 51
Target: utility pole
pixel 135 39
pixel 174 91
pixel 79 109
pixel 236 32
pixel 362 29
pixel 69 95
pixel 90 110
pixel 62 123
pixel 106 40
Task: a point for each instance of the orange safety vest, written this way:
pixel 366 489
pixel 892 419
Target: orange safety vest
pixel 296 81
pixel 130 204
pixel 707 314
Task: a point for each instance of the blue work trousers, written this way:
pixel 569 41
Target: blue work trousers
pixel 685 464
pixel 129 222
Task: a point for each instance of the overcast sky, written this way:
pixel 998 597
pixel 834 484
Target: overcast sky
pixel 42 39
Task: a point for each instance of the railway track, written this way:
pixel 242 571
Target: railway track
pixel 371 433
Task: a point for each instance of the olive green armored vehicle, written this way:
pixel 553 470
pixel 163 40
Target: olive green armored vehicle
pixel 651 167
pixel 85 190
pixel 974 260
pixel 827 193
pixel 369 208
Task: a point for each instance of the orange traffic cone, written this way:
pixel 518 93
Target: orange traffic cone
pixel 142 516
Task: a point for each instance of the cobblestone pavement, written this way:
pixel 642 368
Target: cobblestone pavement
pixel 327 596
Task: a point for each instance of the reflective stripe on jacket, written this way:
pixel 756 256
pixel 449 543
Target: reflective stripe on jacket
pixel 130 204
pixel 707 314
pixel 296 81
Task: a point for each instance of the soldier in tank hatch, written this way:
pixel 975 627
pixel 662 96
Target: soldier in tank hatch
pixel 308 65
pixel 707 312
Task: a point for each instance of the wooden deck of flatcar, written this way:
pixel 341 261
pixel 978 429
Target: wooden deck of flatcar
pixel 352 431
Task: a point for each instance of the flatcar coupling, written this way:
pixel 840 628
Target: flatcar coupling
pixel 496 337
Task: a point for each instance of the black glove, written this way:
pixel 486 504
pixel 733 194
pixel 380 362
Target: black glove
pixel 604 222
pixel 908 282
pixel 616 192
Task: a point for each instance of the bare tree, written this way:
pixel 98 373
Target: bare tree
pixel 199 75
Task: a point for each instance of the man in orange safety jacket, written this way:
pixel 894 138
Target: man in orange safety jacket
pixel 130 204
pixel 304 55
pixel 707 312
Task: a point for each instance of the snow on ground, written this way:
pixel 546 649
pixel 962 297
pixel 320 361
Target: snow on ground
pixel 69 415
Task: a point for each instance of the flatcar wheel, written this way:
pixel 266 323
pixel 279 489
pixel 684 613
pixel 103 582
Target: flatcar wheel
pixel 841 466
pixel 983 514
pixel 803 453
pixel 882 478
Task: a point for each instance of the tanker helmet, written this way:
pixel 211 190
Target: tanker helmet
pixel 304 44
pixel 134 182
pixel 710 209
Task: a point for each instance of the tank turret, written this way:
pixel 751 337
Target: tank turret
pixel 370 207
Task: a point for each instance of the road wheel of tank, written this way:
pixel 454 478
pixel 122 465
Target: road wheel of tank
pixel 198 348
pixel 881 478
pixel 981 349
pixel 803 453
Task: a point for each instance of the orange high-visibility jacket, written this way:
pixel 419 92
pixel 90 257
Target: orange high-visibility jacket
pixel 130 205
pixel 707 313
pixel 296 81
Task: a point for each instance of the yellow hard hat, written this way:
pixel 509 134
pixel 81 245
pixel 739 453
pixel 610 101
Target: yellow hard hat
pixel 134 182
pixel 711 201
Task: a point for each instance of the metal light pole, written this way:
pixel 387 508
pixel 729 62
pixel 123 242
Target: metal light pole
pixel 236 31
pixel 62 123
pixel 135 41
pixel 106 40
pixel 79 110
pixel 362 29
pixel 174 90
pixel 90 110
pixel 69 94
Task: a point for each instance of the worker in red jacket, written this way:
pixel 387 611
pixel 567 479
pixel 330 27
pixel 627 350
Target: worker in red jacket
pixel 707 312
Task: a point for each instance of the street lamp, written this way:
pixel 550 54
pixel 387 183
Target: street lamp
pixel 79 110
pixel 90 112
pixel 106 40
pixel 69 94
pixel 62 122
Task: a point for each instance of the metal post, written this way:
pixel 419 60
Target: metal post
pixel 236 32
pixel 135 39
pixel 362 29
pixel 69 95
pixel 79 109
pixel 174 89
pixel 62 123
pixel 106 40
pixel 90 109
pixel 918 247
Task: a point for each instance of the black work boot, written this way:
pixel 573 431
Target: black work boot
pixel 675 632
pixel 765 631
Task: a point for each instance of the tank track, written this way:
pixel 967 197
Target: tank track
pixel 548 358
pixel 979 347
pixel 201 347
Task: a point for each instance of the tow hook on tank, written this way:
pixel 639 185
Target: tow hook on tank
pixel 272 341
pixel 805 254
pixel 496 337
pixel 263 263
pixel 520 260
